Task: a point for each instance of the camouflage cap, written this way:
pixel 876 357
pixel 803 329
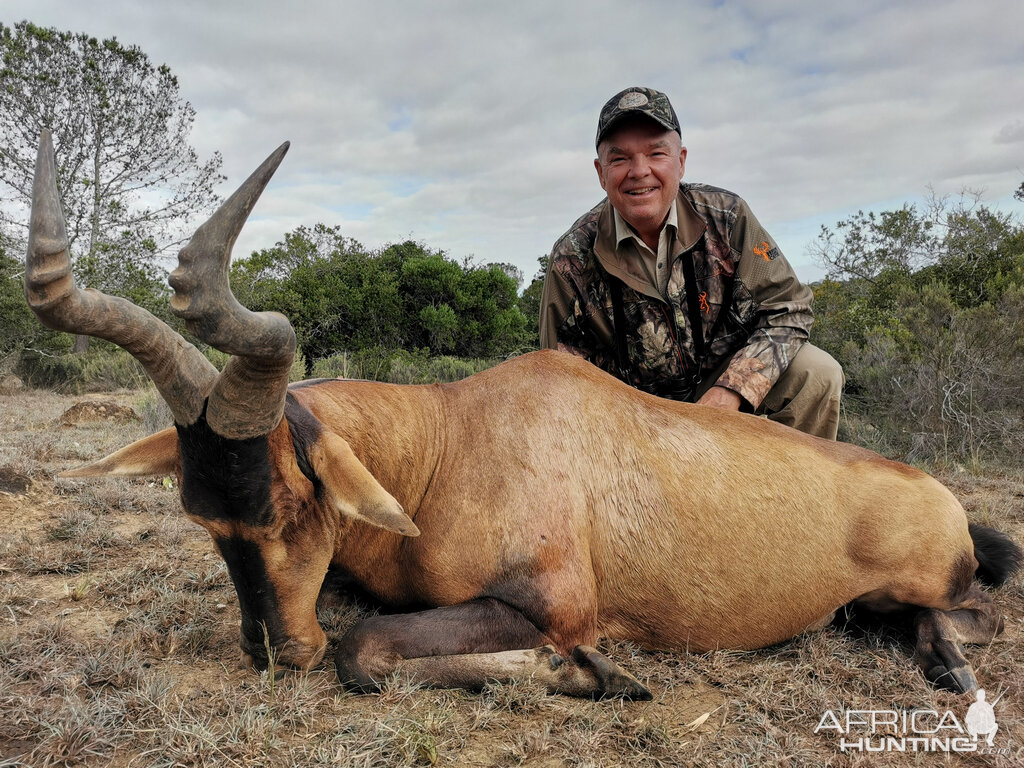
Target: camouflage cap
pixel 637 101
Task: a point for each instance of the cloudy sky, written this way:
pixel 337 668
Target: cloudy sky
pixel 469 125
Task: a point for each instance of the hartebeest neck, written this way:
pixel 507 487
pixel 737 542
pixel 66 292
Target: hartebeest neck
pixel 395 431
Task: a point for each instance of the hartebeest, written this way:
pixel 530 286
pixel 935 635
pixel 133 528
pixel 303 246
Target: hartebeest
pixel 525 512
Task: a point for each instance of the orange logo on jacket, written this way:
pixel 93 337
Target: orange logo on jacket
pixel 762 250
pixel 704 306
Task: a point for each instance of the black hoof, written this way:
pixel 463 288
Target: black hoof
pixel 634 691
pixel 957 680
pixel 613 680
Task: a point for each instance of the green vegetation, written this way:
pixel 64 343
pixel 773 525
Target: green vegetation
pixel 924 307
pixel 342 299
pixel 404 313
pixel 18 326
pixel 925 311
pixel 128 177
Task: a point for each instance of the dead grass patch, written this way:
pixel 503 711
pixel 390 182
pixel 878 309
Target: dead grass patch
pixel 118 647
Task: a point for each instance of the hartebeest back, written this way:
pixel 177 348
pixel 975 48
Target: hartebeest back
pixel 525 512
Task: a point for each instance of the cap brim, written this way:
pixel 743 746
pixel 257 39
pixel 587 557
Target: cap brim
pixel 635 113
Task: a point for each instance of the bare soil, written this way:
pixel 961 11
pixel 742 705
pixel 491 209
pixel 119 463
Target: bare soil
pixel 85 412
pixel 118 646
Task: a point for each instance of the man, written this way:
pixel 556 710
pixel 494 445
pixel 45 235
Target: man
pixel 630 281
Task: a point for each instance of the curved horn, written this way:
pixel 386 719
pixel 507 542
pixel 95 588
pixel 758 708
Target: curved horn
pixel 182 375
pixel 248 398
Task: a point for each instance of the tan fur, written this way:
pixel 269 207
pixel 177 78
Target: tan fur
pixel 611 512
pixel 156 454
pixel 668 524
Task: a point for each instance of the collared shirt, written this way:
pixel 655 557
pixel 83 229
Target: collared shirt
pixel 656 266
pixel 754 314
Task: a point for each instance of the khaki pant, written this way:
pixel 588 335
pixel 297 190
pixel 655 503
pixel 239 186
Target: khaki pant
pixel 806 396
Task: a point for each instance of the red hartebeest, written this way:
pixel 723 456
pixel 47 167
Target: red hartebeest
pixel 526 511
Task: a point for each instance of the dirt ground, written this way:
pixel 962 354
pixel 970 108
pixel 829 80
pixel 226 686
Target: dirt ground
pixel 118 646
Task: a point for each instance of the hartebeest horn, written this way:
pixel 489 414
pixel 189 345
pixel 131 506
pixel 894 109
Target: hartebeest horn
pixel 248 398
pixel 182 375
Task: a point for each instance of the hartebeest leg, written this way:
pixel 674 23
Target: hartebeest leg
pixel 940 634
pixel 469 645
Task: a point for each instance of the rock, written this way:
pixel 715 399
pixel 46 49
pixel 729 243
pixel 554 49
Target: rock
pixel 84 413
pixel 9 384
pixel 13 481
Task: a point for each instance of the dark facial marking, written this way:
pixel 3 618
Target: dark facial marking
pixel 257 597
pixel 225 479
pixel 305 430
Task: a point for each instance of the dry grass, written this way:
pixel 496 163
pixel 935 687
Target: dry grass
pixel 118 641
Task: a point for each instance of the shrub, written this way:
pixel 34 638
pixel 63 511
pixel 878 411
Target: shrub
pixel 339 366
pixel 398 366
pixel 153 411
pixel 104 367
pixel 455 368
pixel 941 382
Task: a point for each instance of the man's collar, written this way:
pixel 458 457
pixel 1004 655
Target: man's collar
pixel 623 230
pixel 689 229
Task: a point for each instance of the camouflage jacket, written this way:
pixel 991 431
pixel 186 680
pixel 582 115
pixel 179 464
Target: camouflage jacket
pixel 754 313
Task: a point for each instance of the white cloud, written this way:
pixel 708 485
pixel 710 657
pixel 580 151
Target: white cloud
pixel 470 125
pixel 1010 133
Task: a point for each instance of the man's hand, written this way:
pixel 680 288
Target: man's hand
pixel 720 397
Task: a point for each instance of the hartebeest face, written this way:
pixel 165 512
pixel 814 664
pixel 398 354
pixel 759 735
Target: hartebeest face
pixel 274 506
pixel 267 481
pixel 276 540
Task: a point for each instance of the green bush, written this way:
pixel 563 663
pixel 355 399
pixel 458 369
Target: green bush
pixel 398 367
pixel 339 366
pixel 403 370
pixel 924 312
pixel 939 382
pixel 49 370
pixel 445 368
pixel 103 368
pixel 339 296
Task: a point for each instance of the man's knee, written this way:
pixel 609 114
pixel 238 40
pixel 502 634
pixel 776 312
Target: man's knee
pixel 807 395
pixel 820 371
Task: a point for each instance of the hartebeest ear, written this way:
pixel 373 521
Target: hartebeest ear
pixel 353 490
pixel 153 455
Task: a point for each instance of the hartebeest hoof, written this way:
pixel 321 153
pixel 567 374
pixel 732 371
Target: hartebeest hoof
pixel 957 680
pixel 612 679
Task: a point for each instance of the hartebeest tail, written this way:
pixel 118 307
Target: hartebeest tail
pixel 525 512
pixel 999 558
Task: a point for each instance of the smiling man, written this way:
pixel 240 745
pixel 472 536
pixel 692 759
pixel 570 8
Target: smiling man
pixel 676 288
